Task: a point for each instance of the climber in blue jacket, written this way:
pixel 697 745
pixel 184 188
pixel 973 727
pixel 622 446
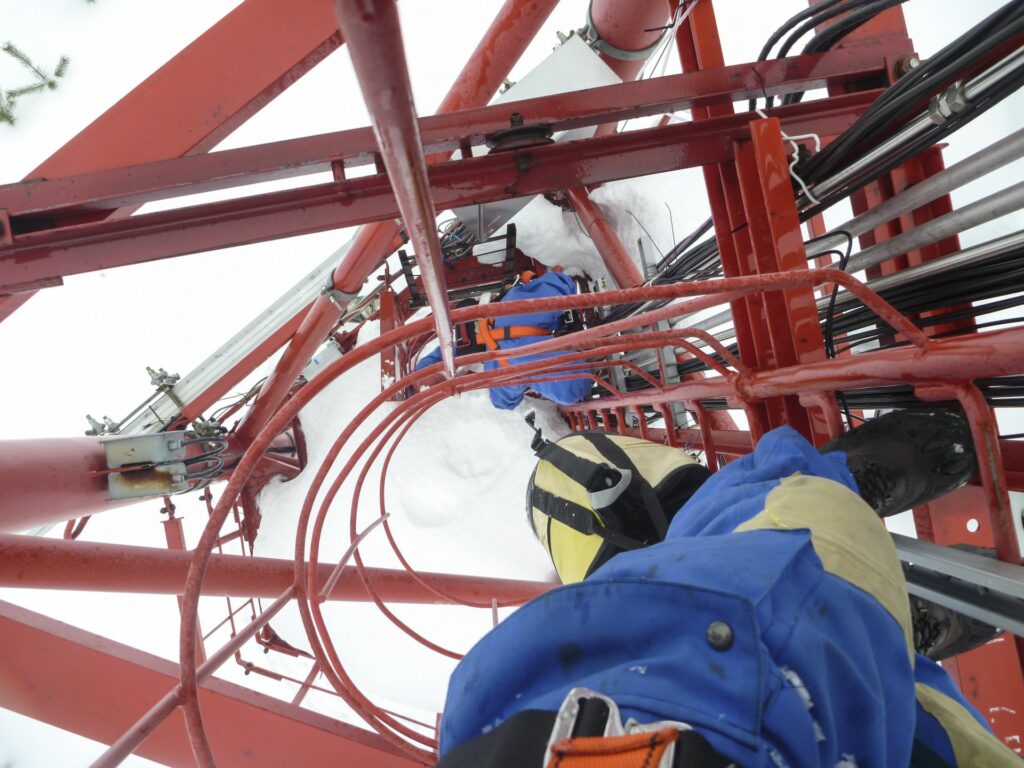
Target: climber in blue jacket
pixel 771 627
pixel 518 331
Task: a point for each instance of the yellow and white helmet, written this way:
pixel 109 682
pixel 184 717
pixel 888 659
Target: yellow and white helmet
pixel 593 495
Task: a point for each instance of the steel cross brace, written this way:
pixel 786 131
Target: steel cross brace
pixel 50 196
pixel 41 255
pixel 257 51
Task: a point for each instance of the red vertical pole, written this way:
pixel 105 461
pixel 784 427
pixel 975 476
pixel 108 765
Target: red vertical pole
pixel 700 48
pixel 777 240
pixel 174 533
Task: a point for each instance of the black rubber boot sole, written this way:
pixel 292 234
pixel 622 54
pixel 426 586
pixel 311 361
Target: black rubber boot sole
pixel 940 632
pixel 904 459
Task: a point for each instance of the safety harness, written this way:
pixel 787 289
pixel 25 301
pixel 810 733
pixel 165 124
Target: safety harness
pixel 487 334
pixel 486 331
pixel 586 732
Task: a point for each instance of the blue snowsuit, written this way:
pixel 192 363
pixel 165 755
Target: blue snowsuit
pixel 565 392
pixel 821 670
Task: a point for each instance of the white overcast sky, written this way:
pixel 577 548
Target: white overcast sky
pixel 83 348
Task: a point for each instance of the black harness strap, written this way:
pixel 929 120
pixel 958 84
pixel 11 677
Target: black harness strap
pixel 589 474
pixel 579 518
pixel 638 485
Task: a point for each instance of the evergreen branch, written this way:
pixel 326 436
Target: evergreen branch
pixel 6 109
pixel 17 93
pixel 13 51
pixel 62 67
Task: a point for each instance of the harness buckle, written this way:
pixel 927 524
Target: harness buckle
pixel 605 497
pixel 568 714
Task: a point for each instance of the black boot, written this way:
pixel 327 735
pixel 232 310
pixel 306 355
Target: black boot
pixel 904 459
pixel 941 632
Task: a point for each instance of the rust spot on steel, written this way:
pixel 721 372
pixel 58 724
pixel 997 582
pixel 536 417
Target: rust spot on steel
pixel 148 480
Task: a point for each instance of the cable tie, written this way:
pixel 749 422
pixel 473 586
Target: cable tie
pixel 796 156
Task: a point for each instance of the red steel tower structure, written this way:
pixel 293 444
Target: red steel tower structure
pixel 665 366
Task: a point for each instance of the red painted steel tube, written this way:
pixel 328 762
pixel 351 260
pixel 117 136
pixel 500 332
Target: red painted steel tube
pixel 476 83
pixel 31 562
pixel 96 687
pixel 777 242
pixel 375 42
pixel 511 32
pixel 623 25
pixel 160 180
pixel 620 264
pixel 38 256
pixel 51 480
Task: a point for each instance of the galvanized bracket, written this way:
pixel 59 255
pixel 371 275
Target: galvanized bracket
pixel 146 465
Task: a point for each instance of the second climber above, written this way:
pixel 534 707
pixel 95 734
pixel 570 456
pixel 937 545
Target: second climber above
pixel 515 331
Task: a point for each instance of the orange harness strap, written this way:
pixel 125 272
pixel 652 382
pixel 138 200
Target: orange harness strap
pixel 486 330
pixel 641 750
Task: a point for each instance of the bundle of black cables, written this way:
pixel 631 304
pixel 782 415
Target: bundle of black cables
pixel 685 262
pixel 860 12
pixel 909 97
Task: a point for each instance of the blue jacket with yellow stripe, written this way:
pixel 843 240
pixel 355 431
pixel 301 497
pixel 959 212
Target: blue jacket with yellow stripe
pixel 820 670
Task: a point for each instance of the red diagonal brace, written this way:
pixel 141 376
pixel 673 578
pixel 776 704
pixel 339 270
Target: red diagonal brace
pixel 379 59
pixel 101 687
pixel 204 93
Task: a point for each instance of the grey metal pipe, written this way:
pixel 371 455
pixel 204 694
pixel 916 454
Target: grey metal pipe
pixel 979 164
pixel 910 131
pixel 992 207
pixel 991 76
pixel 986 589
pixel 977 254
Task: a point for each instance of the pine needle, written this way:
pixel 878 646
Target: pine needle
pixel 16 53
pixel 6 109
pixel 17 93
pixel 62 67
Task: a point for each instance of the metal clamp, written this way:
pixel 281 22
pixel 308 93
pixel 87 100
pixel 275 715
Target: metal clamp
pixel 595 41
pixel 340 299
